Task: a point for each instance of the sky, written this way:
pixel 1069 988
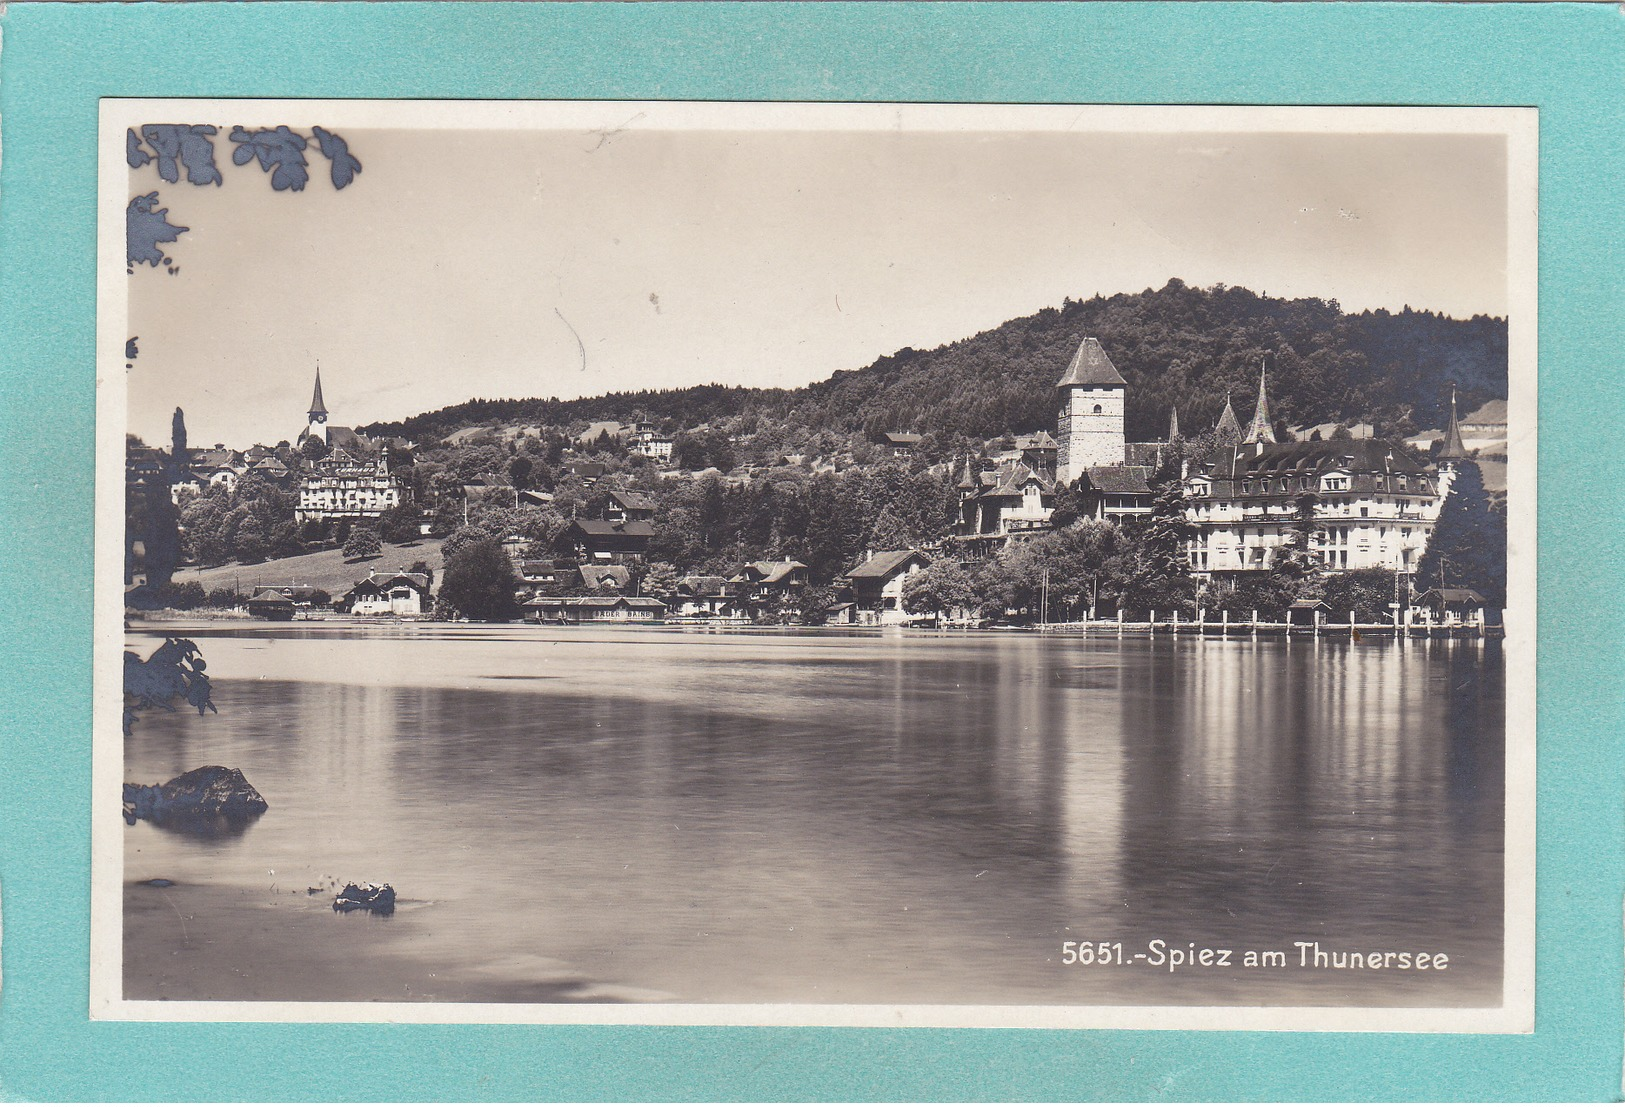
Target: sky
pixel 570 262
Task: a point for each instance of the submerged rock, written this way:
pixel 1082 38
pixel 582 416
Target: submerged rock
pixel 211 792
pixel 377 898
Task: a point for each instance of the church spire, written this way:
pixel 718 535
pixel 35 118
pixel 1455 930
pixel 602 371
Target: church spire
pixel 1261 431
pixel 316 405
pixel 1452 450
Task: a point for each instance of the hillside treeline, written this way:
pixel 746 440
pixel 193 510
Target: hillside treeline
pixel 1176 345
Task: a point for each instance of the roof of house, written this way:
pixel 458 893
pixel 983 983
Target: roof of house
pixel 1039 441
pixel 1091 367
pixel 346 439
pixel 702 586
pixel 902 438
pixel 1365 455
pixel 636 528
pixel 1450 596
pixel 884 564
pixel 1009 480
pixel 767 572
pixel 388 580
pixel 1120 479
pixel 270 596
pixel 1309 605
pixel 633 501
pixel 587 468
pixel 598 576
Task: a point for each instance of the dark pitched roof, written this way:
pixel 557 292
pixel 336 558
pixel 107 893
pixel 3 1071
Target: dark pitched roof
pixel 883 564
pixel 270 596
pixel 1228 429
pixel 1120 479
pixel 1452 450
pixel 768 572
pixel 702 586
pixel 637 528
pixel 1360 455
pixel 633 501
pixel 346 439
pixel 1039 441
pixel 1091 366
pixel 1450 596
pixel 902 438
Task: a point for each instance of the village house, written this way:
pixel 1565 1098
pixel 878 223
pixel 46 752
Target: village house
pixel 877 586
pixel 626 506
pixel 270 605
pixel 599 540
pixel 646 440
pixel 703 597
pixel 605 578
pixel 900 443
pixel 764 584
pixel 388 594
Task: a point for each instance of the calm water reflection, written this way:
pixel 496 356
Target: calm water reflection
pixel 871 819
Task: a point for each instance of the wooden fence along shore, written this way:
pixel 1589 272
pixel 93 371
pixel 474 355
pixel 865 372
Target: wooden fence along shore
pixel 1408 624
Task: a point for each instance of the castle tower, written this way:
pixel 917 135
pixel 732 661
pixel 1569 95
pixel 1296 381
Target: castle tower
pixel 1261 431
pixel 1089 424
pixel 317 425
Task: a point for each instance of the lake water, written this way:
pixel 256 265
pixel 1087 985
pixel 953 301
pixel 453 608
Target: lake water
pixel 699 816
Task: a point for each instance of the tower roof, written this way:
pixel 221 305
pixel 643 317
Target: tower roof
pixel 1452 450
pixel 1228 429
pixel 316 405
pixel 1091 366
pixel 1260 430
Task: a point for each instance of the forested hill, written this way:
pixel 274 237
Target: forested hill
pixel 1175 345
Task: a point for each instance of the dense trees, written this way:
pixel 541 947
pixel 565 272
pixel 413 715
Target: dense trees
pixel 1177 346
pixel 362 543
pixel 478 583
pixel 1469 544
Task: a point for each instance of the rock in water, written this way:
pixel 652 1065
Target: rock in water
pixel 213 791
pixel 377 898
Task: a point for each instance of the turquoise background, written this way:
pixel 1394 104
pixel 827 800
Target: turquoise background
pixel 59 58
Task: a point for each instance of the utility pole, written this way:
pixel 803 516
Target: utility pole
pixel 1043 610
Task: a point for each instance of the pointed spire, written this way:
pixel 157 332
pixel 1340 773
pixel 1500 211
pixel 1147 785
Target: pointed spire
pixel 1452 450
pixel 1261 431
pixel 316 405
pixel 1227 431
pixel 1173 424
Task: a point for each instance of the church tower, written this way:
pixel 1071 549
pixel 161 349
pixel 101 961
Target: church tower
pixel 1089 424
pixel 317 425
pixel 1261 431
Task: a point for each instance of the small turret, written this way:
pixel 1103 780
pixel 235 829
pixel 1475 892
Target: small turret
pixel 1227 431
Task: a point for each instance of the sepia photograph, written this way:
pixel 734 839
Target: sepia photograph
pixel 815 564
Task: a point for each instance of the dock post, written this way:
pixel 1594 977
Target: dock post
pixel 1317 621
pixel 1176 620
pixel 1255 622
pixel 1224 623
pixel 1351 626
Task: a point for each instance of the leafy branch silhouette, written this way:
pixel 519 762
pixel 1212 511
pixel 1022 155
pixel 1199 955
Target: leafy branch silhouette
pixel 175 671
pixel 173 147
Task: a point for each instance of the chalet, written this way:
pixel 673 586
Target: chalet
pixel 901 444
pixel 626 506
pixel 762 580
pixel 703 597
pixel 543 571
pixel 1116 492
pixel 998 503
pixel 588 472
pixel 604 541
pixel 877 585
pixel 388 594
pixel 596 609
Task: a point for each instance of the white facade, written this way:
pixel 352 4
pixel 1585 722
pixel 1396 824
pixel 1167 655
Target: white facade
pixel 1363 519
pixel 346 489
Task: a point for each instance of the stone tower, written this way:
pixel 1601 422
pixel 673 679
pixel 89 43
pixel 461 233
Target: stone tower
pixel 1089 424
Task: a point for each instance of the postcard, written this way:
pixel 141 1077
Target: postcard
pixel 815 564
